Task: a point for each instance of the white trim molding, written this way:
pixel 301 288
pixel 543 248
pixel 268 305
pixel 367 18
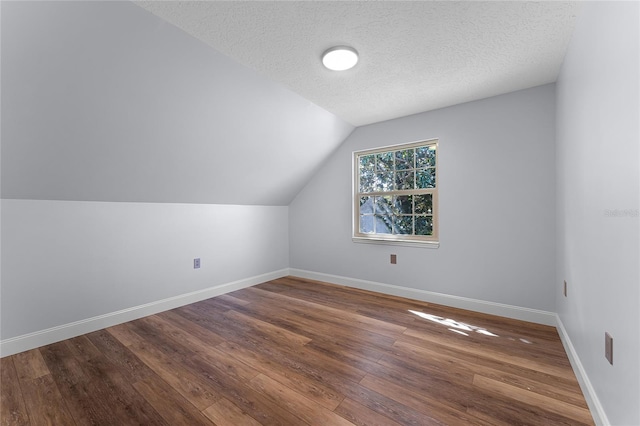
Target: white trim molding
pixel 36 339
pixel 500 309
pixel 597 411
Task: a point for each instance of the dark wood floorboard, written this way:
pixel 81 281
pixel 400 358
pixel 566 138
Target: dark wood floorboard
pixel 299 352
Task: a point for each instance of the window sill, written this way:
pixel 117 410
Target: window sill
pixel 406 243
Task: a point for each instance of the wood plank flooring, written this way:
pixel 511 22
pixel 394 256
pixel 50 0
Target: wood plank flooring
pixel 299 352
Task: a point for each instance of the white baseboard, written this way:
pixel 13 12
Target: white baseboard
pixel 500 309
pixel 597 411
pixel 34 340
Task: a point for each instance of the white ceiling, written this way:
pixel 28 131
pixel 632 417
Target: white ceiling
pixel 414 56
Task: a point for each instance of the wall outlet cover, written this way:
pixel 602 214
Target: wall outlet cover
pixel 196 263
pixel 608 347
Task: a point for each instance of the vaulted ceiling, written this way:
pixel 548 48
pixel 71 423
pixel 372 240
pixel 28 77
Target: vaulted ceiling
pixel 227 102
pixel 103 101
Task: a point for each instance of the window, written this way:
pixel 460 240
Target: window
pixel 396 194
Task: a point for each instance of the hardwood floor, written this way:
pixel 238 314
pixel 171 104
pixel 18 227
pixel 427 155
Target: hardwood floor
pixel 296 352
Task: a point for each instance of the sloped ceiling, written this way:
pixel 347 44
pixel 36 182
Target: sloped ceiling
pixel 227 102
pixel 414 56
pixel 103 101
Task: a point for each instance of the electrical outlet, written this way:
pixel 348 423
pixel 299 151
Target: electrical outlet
pixel 394 259
pixel 608 347
pixel 565 288
pixel 196 263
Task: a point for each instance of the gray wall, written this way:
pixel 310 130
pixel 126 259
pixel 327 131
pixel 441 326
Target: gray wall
pixel 110 116
pixel 67 261
pixel 598 200
pixel 497 205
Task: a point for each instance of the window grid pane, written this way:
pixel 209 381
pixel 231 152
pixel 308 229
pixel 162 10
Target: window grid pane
pixel 396 191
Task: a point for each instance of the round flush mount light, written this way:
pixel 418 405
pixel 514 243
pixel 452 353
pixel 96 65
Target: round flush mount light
pixel 340 58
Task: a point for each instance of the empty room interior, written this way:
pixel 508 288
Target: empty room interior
pixel 205 221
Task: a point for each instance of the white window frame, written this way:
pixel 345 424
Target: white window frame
pixel 428 241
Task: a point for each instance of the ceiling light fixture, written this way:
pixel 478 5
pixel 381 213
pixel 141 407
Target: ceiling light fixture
pixel 340 58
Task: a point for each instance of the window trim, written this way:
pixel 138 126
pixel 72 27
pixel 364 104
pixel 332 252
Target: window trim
pixel 432 241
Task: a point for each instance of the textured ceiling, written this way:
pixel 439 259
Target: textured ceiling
pixel 414 56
